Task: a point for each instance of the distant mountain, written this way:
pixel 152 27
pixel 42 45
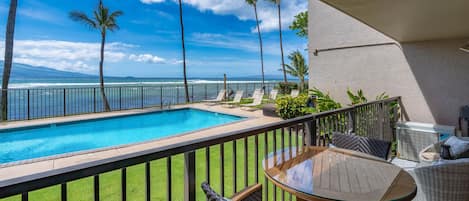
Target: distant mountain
pixel 23 71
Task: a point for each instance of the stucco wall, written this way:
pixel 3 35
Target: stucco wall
pixel 432 76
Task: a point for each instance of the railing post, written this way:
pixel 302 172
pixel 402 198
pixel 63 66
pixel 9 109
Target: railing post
pixel 120 98
pixel 352 121
pixel 65 103
pixel 310 138
pixel 381 120
pixel 141 96
pixel 161 97
pixel 177 95
pixel 189 176
pixel 192 95
pixel 206 92
pixel 94 99
pixel 29 107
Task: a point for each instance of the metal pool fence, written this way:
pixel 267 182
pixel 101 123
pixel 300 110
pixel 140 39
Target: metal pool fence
pixel 36 103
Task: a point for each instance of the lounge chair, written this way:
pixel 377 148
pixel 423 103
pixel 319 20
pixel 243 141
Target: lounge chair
pixel 378 148
pixel 257 101
pixel 236 100
pixel 294 93
pixel 251 193
pixel 220 97
pixel 256 91
pixel 273 94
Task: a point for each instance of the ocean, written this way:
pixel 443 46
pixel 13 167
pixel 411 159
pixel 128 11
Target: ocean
pixel 124 81
pixel 43 98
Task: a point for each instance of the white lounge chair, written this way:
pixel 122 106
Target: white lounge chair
pixel 257 101
pixel 256 91
pixel 294 93
pixel 273 94
pixel 236 100
pixel 220 97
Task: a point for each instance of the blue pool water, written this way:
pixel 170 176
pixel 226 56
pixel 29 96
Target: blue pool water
pixel 29 143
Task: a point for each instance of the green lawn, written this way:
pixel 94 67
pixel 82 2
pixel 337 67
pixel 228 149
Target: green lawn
pixel 82 190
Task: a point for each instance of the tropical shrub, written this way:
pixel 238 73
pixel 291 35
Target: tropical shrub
pixel 285 88
pixel 288 107
pixel 358 98
pixel 324 101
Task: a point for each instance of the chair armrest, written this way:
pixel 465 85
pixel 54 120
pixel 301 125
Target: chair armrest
pixel 250 193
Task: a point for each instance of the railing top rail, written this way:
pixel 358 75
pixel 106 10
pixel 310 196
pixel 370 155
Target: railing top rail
pixel 53 177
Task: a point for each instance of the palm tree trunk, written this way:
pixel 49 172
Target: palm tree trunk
pixel 302 83
pixel 186 88
pixel 260 45
pixel 9 39
pixel 281 42
pixel 107 108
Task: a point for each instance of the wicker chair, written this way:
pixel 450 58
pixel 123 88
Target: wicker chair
pixel 252 193
pixel 378 148
pixel 446 181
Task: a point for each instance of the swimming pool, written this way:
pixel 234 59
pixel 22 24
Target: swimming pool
pixel 62 138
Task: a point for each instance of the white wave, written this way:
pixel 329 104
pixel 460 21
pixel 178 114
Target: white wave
pixel 89 84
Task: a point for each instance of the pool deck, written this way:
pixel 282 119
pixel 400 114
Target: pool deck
pixel 255 118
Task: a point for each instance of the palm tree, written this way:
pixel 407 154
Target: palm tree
pixel 253 3
pixel 9 36
pixel 186 88
pixel 102 20
pixel 298 67
pixel 277 2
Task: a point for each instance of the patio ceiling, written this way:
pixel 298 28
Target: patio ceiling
pixel 410 20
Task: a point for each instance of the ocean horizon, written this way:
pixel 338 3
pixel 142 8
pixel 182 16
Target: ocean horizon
pixel 125 81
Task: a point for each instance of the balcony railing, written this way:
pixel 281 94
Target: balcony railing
pixel 36 103
pixel 228 161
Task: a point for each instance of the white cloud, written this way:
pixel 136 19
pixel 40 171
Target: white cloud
pixel 267 11
pixel 151 1
pixel 152 59
pixel 66 55
pixel 241 42
pixel 147 58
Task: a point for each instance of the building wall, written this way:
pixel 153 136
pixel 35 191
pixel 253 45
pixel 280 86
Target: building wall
pixel 432 76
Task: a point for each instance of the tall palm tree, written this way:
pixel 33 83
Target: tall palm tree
pixel 253 3
pixel 186 88
pixel 277 2
pixel 298 67
pixel 102 20
pixel 9 36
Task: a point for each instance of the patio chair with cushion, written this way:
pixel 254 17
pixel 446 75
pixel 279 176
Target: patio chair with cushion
pixel 443 181
pixel 431 154
pixel 252 193
pixel 378 148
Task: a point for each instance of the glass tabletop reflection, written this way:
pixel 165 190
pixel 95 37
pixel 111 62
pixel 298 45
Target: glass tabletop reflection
pixel 339 174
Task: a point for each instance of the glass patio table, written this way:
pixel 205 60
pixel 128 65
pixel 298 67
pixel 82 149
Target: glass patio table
pixel 322 173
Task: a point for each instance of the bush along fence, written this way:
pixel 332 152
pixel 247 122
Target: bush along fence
pixel 36 103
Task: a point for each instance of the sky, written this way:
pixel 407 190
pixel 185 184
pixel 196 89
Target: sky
pixel 220 37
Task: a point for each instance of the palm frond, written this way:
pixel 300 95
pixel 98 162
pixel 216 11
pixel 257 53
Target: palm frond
pixel 116 14
pixel 251 2
pixel 83 18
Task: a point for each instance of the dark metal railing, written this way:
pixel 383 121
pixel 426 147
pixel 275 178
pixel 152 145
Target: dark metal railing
pixel 229 161
pixel 36 103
